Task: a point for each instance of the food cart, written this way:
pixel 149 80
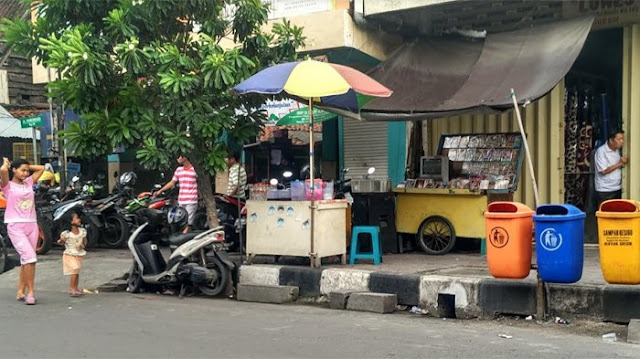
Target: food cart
pixel 283 228
pixel 449 198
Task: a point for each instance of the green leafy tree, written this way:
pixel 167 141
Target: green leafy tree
pixel 154 75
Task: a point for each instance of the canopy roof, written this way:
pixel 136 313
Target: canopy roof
pixel 442 77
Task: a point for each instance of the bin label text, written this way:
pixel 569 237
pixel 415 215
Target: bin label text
pixel 550 239
pixel 499 237
pixel 617 237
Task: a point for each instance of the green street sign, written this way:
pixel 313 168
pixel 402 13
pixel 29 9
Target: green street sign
pixel 28 122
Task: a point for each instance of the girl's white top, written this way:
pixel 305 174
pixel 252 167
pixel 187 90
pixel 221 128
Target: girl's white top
pixel 73 242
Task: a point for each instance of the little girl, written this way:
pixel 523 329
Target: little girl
pixel 74 239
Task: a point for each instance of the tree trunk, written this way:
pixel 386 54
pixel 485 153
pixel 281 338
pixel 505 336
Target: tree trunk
pixel 206 188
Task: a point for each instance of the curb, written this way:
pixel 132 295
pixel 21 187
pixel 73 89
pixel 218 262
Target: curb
pixel 460 297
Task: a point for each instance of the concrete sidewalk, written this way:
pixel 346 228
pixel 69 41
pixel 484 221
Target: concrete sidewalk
pixel 455 279
pixel 100 266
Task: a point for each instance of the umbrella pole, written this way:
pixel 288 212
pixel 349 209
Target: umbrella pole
pixel 541 293
pixel 312 254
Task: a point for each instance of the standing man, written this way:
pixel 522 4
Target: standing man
pixel 237 182
pixel 609 166
pixel 186 176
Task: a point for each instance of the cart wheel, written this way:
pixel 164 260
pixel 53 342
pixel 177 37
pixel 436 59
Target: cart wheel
pixel 436 235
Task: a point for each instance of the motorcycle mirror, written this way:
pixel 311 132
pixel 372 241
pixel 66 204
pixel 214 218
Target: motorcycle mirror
pixel 287 174
pixel 273 182
pixel 371 170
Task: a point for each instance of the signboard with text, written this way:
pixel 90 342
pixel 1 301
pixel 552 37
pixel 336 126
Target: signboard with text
pixel 608 13
pixel 29 122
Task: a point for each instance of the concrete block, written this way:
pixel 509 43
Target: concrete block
pixel 333 280
pixel 405 286
pixel 506 297
pixel 464 290
pixel 260 274
pixel 621 303
pixel 339 299
pixel 373 302
pixel 277 294
pixel 633 331
pixel 575 300
pixel 305 278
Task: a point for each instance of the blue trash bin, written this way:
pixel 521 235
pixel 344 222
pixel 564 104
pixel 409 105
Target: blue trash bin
pixel 559 233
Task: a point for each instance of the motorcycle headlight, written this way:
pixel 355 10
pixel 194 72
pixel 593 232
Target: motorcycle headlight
pixel 85 188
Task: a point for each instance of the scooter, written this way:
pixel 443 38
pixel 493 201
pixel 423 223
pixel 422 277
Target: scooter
pixel 198 260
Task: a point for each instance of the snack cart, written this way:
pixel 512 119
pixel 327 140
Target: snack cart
pixel 455 187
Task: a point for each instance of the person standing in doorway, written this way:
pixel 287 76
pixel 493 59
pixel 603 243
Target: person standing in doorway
pixel 609 164
pixel 237 183
pixel 22 223
pixel 187 178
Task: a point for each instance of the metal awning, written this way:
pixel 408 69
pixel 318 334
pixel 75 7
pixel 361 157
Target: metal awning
pixel 444 77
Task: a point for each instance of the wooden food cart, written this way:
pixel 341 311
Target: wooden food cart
pixel 283 228
pixel 455 187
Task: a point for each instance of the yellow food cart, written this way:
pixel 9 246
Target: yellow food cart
pixel 453 191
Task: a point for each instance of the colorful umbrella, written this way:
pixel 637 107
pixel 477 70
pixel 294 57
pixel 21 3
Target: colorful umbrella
pixel 331 86
pixel 301 117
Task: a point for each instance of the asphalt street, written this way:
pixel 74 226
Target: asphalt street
pixel 118 325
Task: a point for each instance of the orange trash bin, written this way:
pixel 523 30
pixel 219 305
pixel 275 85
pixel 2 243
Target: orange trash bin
pixel 509 229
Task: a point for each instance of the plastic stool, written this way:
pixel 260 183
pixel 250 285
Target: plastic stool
pixel 376 246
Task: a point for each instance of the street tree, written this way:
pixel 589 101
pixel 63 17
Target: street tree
pixel 156 76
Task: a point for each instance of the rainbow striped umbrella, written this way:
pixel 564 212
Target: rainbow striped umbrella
pixel 330 86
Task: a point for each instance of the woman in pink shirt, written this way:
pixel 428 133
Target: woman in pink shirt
pixel 20 217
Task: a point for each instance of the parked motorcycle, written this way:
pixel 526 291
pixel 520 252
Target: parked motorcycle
pixel 227 210
pixel 198 260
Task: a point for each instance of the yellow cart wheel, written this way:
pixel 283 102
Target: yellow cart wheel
pixel 436 235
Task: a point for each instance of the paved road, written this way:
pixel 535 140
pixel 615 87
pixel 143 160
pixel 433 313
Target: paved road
pixel 154 326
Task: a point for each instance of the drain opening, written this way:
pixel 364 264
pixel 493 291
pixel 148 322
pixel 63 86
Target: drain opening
pixel 446 305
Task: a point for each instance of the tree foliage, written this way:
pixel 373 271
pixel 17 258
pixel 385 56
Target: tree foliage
pixel 154 75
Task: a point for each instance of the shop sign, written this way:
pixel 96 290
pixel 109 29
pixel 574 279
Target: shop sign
pixel 617 237
pixel 289 8
pixel 608 13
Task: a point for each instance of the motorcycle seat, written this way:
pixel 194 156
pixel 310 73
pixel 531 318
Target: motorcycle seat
pixel 178 239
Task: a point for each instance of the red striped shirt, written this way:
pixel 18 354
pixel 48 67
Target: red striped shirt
pixel 187 178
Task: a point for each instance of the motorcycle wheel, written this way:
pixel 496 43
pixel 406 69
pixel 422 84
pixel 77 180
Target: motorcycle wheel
pixel 92 236
pixel 3 255
pixel 45 236
pixel 134 282
pixel 214 289
pixel 117 231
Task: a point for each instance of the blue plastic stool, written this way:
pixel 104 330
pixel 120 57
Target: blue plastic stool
pixel 375 244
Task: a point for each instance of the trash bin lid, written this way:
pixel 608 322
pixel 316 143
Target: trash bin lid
pixel 619 208
pixel 508 210
pixel 557 212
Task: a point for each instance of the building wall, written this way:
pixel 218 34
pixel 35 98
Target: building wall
pixel 544 126
pixel 631 110
pixel 20 86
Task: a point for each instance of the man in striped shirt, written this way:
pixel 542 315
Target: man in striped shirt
pixel 237 183
pixel 186 176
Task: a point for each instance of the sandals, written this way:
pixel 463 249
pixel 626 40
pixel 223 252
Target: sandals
pixel 76 293
pixel 21 298
pixel 29 300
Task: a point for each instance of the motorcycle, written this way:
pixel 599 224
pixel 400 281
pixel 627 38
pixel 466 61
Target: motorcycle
pixel 198 260
pixel 112 218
